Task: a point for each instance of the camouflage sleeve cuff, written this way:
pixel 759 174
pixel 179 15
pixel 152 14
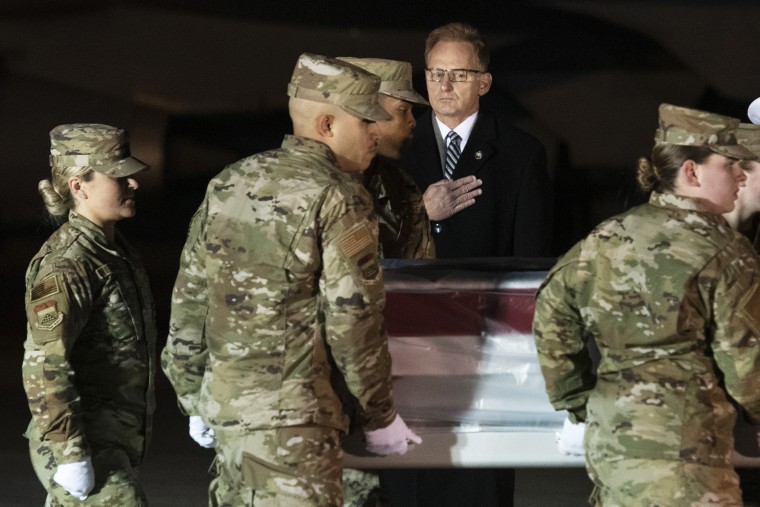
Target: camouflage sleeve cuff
pixel 380 422
pixel 187 405
pixel 577 416
pixel 71 450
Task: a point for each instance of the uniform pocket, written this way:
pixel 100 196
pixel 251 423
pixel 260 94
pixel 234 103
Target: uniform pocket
pixel 257 473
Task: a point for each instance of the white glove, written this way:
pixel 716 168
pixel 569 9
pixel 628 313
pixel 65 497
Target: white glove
pixel 393 439
pixel 753 112
pixel 570 439
pixel 201 433
pixel 77 478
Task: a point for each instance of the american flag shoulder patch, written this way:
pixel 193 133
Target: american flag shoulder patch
pixel 359 247
pixel 355 241
pixel 47 287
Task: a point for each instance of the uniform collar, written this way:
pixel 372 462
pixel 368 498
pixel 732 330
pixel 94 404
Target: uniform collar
pixel 675 201
pixel 371 179
pixel 92 230
pixel 681 202
pixel 97 235
pixel 300 143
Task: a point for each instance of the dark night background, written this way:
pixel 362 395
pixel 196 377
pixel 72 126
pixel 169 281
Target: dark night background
pixel 200 84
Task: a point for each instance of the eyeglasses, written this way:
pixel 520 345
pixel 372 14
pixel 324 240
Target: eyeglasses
pixel 455 75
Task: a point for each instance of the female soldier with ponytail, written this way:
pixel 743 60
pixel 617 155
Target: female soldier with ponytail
pixel 90 349
pixel 671 296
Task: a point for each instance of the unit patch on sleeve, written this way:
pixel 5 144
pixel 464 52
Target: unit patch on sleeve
pixel 48 316
pixel 358 246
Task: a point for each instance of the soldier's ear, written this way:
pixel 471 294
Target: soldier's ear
pixel 75 187
pixel 690 174
pixel 325 125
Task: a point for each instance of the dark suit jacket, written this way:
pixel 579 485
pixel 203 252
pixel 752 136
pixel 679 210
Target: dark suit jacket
pixel 513 216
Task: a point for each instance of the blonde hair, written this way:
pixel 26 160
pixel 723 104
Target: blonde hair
pixel 55 191
pixel 460 32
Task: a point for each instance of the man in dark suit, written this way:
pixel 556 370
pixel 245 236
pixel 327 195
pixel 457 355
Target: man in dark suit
pixel 513 216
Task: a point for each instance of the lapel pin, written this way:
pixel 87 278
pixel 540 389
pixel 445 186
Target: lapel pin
pixel 478 155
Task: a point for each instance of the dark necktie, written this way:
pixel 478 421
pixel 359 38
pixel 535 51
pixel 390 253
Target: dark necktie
pixel 452 153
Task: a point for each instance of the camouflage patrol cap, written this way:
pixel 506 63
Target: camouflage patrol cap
pixel 748 136
pixel 396 77
pixel 692 127
pixel 321 79
pixel 102 147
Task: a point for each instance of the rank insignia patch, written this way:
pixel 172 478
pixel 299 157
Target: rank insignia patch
pixel 369 267
pixel 48 316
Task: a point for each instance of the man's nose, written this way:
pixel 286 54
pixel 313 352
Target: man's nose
pixel 446 82
pixel 374 130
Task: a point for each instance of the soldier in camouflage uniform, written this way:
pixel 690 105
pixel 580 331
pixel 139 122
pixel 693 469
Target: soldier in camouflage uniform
pixel 403 222
pixel 280 295
pixel 404 226
pixel 745 216
pixel 89 353
pixel 671 296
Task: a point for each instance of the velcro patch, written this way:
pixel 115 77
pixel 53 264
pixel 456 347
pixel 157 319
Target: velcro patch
pixel 48 316
pixel 46 288
pixel 358 246
pixel 356 241
pixel 368 266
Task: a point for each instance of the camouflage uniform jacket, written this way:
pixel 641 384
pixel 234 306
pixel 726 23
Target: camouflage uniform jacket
pixel 89 355
pixel 403 222
pixel 670 296
pixel 279 283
